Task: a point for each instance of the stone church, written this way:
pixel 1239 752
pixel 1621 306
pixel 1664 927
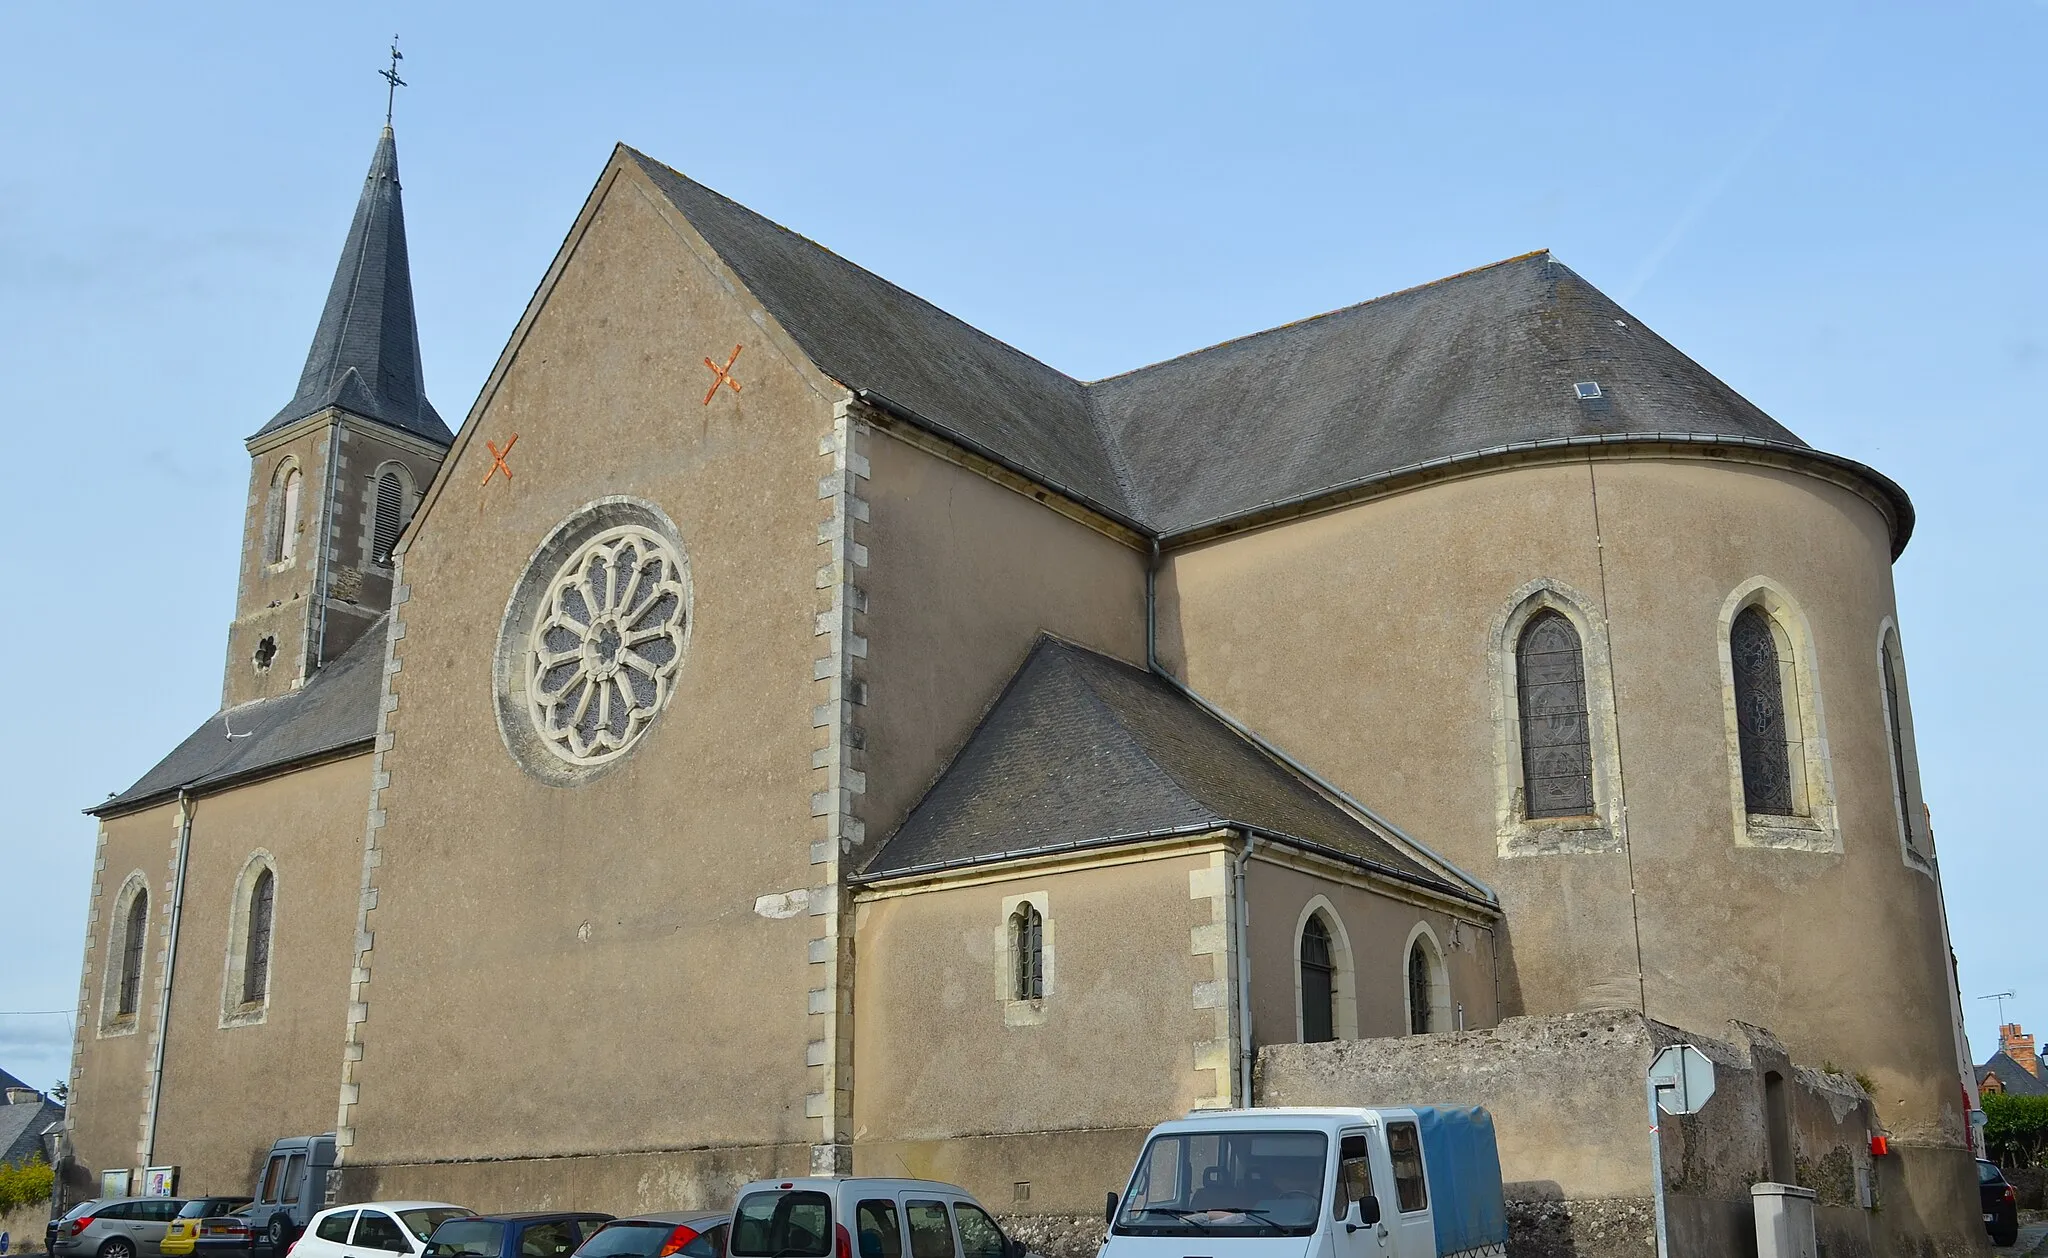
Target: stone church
pixel 783 728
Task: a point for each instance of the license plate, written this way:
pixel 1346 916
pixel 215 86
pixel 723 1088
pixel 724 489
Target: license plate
pixel 1990 1217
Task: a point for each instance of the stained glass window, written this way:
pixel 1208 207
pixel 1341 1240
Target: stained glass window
pixel 1421 990
pixel 1027 949
pixel 256 957
pixel 1318 983
pixel 1761 668
pixel 1557 753
pixel 131 954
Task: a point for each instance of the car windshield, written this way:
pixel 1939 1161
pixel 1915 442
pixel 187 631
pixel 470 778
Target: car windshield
pixel 782 1224
pixel 1227 1183
pixel 423 1221
pixel 628 1238
pixel 1987 1173
pixel 467 1236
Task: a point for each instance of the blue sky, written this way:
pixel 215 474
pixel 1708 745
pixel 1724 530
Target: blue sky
pixel 1837 209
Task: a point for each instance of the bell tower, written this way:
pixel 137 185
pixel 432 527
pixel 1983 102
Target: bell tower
pixel 335 475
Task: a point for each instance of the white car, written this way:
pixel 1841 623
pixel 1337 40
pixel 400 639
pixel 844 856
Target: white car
pixel 373 1228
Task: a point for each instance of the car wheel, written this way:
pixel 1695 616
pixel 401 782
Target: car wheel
pixel 2004 1234
pixel 118 1247
pixel 278 1234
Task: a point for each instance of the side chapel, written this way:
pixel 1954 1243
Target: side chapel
pixel 786 729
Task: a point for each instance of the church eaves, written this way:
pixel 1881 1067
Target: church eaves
pixel 366 352
pixel 1487 364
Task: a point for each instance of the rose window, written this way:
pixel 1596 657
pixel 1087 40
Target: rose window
pixel 607 639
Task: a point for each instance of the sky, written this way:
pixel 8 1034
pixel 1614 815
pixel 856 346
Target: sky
pixel 1836 208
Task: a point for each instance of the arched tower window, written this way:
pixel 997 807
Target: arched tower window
pixel 1764 678
pixel 135 931
pixel 1421 990
pixel 388 519
pixel 1027 953
pixel 1895 722
pixel 284 543
pixel 1557 747
pixel 1318 982
pixel 256 955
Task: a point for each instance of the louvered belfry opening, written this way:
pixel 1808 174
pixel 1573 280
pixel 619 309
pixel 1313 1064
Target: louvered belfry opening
pixel 1318 983
pixel 1557 751
pixel 130 997
pixel 256 957
pixel 1760 666
pixel 390 518
pixel 1027 946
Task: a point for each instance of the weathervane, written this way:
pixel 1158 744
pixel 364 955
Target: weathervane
pixel 390 76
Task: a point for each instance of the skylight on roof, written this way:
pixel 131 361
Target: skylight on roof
pixel 1588 390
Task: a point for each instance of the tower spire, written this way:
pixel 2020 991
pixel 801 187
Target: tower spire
pixel 365 357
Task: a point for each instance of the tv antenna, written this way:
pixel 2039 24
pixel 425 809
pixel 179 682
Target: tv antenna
pixel 2001 998
pixel 390 77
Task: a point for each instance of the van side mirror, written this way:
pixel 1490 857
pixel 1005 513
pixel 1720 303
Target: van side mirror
pixel 1109 1211
pixel 1368 1211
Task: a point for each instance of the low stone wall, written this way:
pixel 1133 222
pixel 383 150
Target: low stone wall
pixel 24 1227
pixel 1566 1095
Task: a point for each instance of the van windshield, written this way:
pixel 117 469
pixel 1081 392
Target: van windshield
pixel 1227 1183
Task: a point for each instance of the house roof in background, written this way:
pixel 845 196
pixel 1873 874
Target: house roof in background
pixel 2015 1078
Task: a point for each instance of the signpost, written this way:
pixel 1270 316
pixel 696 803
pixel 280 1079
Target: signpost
pixel 1680 1081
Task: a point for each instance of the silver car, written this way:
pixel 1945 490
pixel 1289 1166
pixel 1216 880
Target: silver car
pixel 119 1227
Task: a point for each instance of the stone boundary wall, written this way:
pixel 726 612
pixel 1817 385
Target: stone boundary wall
pixel 1566 1094
pixel 24 1226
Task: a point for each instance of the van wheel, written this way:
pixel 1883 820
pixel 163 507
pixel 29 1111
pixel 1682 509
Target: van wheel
pixel 118 1247
pixel 278 1234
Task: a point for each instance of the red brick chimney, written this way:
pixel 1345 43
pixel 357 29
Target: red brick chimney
pixel 2019 1046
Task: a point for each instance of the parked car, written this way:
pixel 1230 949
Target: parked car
pixel 209 1219
pixel 1409 1182
pixel 375 1227
pixel 119 1227
pixel 2001 1203
pixel 536 1235
pixel 691 1233
pixel 885 1218
pixel 291 1189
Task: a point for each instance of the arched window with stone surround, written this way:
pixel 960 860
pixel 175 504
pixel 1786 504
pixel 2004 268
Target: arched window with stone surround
pixel 1765 696
pixel 134 935
pixel 1318 982
pixel 1421 990
pixel 256 952
pixel 1556 736
pixel 1027 953
pixel 286 494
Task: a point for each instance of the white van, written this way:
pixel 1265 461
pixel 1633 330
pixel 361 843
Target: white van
pixel 863 1218
pixel 1418 1182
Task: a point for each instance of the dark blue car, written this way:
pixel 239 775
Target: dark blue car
pixel 513 1235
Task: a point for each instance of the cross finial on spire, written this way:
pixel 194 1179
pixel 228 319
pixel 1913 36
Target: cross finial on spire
pixel 390 76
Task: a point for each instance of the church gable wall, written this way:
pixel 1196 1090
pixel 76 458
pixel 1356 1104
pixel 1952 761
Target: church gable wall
pixel 620 966
pixel 957 1079
pixel 963 574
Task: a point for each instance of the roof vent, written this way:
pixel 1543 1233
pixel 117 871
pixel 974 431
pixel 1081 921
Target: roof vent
pixel 1588 390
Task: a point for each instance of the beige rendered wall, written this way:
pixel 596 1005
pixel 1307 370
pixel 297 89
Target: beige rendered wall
pixel 110 1063
pixel 230 1090
pixel 583 970
pixel 1358 640
pixel 963 575
pixel 1373 939
pixel 953 1078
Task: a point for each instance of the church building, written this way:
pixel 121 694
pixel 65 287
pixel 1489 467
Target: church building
pixel 784 729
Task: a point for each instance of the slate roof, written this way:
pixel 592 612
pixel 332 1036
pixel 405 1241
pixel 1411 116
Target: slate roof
pixel 333 712
pixel 22 1126
pixel 1082 750
pixel 1478 363
pixel 366 351
pixel 2015 1077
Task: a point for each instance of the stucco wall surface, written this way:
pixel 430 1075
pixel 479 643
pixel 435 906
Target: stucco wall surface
pixel 963 575
pixel 1359 640
pixel 582 970
pixel 1372 942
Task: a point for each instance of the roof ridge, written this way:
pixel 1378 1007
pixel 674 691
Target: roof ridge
pixel 1291 324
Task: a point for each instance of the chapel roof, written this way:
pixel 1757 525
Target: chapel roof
pixel 1084 751
pixel 22 1125
pixel 365 356
pixel 333 714
pixel 1479 364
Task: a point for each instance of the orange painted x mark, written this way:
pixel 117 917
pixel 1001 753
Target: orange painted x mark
pixel 722 375
pixel 498 459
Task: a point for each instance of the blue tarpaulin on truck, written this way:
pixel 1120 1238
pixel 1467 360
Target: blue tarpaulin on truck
pixel 1464 1171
